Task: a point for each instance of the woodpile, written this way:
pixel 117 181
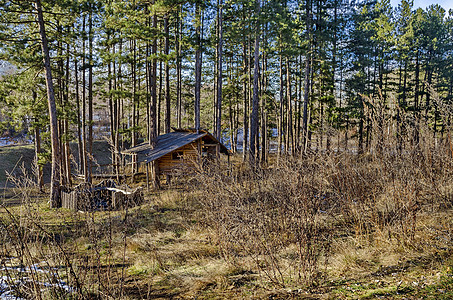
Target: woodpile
pixel 104 196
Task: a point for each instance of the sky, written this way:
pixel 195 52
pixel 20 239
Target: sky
pixel 446 4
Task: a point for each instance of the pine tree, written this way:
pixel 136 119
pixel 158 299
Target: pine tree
pixel 56 168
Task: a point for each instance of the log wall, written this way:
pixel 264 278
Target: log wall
pixel 167 165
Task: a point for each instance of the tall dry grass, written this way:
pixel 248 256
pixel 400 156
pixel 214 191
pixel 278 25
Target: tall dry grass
pixel 302 222
pixel 290 218
pixel 60 254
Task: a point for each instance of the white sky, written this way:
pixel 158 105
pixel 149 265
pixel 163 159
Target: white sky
pixel 446 4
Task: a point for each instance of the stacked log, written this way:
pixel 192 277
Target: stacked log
pixel 123 199
pixel 104 196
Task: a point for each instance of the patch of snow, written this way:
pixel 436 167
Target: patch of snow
pixel 9 284
pixel 6 291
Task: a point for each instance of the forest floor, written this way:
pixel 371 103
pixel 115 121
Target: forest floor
pixel 166 252
pixel 165 249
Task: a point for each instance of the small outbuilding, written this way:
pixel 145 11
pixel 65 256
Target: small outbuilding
pixel 178 152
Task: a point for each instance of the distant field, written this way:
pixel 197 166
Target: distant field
pixel 12 157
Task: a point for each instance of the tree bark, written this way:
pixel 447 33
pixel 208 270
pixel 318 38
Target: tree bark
pixel 289 118
pixel 153 86
pixel 159 93
pixel 55 175
pixel 178 70
pixel 198 62
pixel 135 108
pixel 84 134
pixel 219 74
pixel 255 103
pixel 281 109
pixel 305 137
pixel 39 180
pixel 167 76
pixel 66 120
pixel 79 129
pixel 245 122
pixel 90 97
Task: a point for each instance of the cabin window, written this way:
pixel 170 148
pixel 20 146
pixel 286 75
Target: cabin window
pixel 177 155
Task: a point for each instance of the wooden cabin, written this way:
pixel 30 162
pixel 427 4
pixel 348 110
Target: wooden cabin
pixel 178 152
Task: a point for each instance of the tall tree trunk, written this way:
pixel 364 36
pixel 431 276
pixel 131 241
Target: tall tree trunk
pixel 134 103
pixel 116 118
pixel 84 123
pixel 245 131
pixel 404 84
pixel 79 129
pixel 416 101
pixel 307 80
pixel 215 73
pixel 250 88
pixel 59 98
pixel 219 74
pixel 361 121
pixel 90 96
pixel 263 98
pixel 167 76
pixel 340 100
pixel 299 106
pixel 280 121
pixel 178 69
pixel 334 66
pixel 417 80
pixel 112 117
pixel 198 62
pixel 67 158
pixel 236 119
pixel 230 105
pixel 289 118
pixel 255 103
pixel 159 101
pixel 153 85
pixel 427 86
pixel 55 141
pixel 39 181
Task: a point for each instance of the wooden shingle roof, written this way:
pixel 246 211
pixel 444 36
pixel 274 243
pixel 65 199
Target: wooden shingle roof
pixel 172 141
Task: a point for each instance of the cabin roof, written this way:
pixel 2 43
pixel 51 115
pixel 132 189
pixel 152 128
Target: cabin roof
pixel 169 142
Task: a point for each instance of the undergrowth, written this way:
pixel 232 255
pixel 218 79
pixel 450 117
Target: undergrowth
pixel 332 224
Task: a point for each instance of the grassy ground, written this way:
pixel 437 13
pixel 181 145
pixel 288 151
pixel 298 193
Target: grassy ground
pixel 162 250
pixel 169 248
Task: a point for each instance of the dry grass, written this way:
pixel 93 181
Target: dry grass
pixel 324 221
pixel 333 226
pixel 325 226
